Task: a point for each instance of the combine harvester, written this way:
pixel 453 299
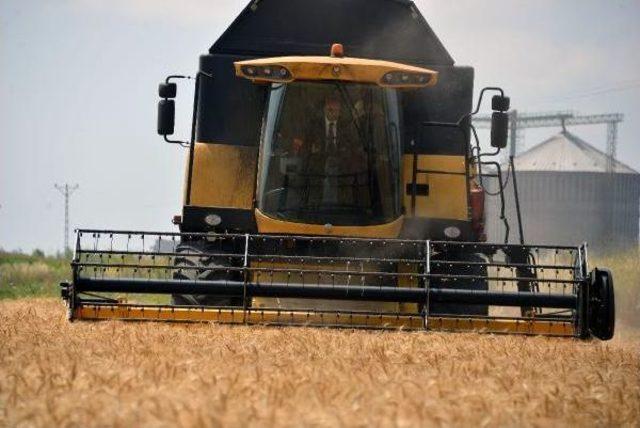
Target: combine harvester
pixel 333 178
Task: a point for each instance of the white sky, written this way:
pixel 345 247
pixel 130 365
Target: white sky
pixel 78 80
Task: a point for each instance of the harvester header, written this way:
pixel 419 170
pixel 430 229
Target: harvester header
pixel 376 283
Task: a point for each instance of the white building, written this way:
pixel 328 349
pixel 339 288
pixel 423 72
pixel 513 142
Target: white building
pixel 567 196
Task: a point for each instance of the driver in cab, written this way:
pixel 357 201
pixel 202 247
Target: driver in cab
pixel 328 134
pixel 332 150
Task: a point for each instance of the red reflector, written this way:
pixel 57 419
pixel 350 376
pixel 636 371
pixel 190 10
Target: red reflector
pixel 477 211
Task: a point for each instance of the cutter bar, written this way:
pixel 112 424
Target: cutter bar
pixel 255 316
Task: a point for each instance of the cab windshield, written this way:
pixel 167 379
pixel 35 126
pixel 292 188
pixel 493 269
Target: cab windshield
pixel 331 154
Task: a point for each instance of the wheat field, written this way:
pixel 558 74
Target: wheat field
pixel 56 373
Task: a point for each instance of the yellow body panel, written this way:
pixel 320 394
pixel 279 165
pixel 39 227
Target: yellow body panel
pixel 223 176
pixel 447 198
pixel 271 225
pixel 283 317
pixel 334 68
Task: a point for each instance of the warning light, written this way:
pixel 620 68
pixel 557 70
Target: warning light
pixel 337 50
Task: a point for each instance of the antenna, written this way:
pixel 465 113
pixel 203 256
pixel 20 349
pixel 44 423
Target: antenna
pixel 66 190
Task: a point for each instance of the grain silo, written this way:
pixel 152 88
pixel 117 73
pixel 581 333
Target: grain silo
pixel 567 196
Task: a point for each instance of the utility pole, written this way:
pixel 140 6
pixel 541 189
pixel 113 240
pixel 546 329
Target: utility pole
pixel 66 190
pixel 612 137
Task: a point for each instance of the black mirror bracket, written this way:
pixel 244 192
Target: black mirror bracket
pixel 178 142
pixel 500 105
pixel 498 102
pixel 176 76
pixel 166 108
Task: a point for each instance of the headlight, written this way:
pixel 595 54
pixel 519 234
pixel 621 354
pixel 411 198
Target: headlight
pixel 452 232
pixel 213 219
pixel 401 78
pixel 268 72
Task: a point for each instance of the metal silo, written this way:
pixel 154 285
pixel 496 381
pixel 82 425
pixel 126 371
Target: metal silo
pixel 568 197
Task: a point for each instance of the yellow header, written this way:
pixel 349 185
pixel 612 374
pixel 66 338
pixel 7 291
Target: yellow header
pixel 290 68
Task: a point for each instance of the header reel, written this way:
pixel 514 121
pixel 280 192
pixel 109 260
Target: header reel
pixel 339 282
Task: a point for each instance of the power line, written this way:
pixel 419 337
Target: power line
pixel 624 85
pixel 66 190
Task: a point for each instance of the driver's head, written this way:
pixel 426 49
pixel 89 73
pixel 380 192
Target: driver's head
pixel 332 107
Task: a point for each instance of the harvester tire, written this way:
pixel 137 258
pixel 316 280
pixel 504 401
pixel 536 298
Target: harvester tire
pixel 602 309
pixel 463 284
pixel 204 270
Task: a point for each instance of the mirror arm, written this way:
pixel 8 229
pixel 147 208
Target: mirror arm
pixel 500 108
pixel 176 76
pixel 479 103
pixel 168 80
pixel 178 142
pixel 486 89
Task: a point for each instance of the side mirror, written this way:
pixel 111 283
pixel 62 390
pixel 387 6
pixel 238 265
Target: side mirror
pixel 167 90
pixel 166 116
pixel 167 107
pixel 499 129
pixel 500 103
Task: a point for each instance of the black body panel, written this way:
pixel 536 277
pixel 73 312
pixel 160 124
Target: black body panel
pixel 433 228
pixel 383 29
pixel 448 101
pixel 232 219
pixel 230 108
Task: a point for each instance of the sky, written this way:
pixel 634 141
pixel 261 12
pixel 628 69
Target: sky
pixel 79 79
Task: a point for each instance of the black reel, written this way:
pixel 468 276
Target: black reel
pixel 602 308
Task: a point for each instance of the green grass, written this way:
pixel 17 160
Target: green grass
pixel 22 275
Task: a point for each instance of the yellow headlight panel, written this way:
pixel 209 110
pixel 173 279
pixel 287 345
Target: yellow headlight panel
pixel 382 73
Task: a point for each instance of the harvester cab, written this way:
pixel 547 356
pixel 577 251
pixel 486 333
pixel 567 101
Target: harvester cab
pixel 327 189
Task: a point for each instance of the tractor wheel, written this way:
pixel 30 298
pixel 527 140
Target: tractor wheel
pixel 602 308
pixel 202 268
pixel 479 284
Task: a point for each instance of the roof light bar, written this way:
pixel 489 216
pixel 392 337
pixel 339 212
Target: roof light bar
pixel 401 78
pixel 267 72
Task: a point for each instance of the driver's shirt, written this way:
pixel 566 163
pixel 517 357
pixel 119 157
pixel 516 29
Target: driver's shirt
pixel 331 133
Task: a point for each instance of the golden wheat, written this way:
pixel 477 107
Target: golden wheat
pixel 55 373
pixel 626 276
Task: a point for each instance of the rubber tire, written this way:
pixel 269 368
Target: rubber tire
pixel 602 307
pixel 204 273
pixel 474 284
